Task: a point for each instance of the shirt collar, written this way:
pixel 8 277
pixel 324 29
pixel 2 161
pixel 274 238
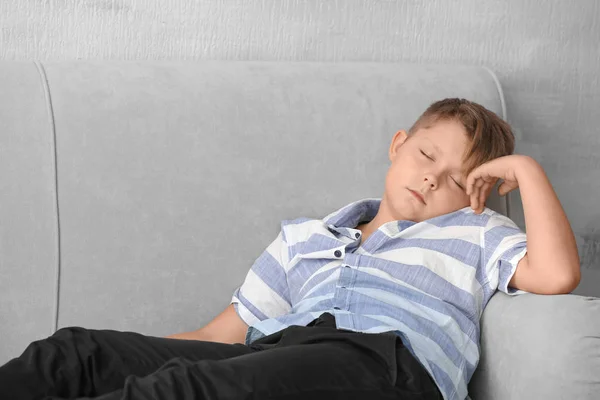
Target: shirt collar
pixel 353 214
pixel 345 220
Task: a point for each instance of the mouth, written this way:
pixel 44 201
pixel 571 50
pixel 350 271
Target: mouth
pixel 418 196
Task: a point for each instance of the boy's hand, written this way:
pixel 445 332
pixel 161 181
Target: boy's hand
pixel 483 178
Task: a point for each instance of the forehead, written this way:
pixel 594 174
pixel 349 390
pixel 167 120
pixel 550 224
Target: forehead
pixel 448 140
pixel 446 132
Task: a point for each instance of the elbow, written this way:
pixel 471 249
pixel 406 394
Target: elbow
pixel 570 283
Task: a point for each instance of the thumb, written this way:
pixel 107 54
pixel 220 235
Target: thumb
pixel 504 188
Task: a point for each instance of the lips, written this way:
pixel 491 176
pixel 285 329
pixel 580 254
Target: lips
pixel 418 196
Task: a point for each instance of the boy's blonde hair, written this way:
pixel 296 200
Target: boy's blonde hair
pixel 490 136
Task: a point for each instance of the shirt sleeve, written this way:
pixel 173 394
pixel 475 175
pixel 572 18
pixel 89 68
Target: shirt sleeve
pixel 505 244
pixel 265 292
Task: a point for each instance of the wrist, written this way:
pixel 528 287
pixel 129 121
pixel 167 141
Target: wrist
pixel 528 168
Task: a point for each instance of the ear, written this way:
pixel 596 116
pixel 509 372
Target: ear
pixel 399 138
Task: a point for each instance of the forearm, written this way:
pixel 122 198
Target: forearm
pixel 193 335
pixel 551 245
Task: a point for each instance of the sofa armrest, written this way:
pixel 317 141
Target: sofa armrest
pixel 539 347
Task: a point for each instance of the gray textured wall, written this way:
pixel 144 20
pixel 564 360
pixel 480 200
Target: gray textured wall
pixel 546 54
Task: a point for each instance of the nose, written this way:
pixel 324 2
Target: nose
pixel 430 182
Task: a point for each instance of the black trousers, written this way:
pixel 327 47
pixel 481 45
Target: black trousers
pixel 316 361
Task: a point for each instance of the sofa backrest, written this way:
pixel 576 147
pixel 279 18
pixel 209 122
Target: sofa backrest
pixel 136 195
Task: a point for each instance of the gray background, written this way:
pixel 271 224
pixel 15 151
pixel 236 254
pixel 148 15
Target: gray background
pixel 545 53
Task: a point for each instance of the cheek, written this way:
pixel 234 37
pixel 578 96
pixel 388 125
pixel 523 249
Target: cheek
pixel 410 165
pixel 395 180
pixel 402 173
pixel 392 180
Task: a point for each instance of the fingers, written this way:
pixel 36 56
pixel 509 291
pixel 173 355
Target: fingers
pixel 475 199
pixel 480 192
pixel 475 193
pixel 483 194
pixel 506 187
pixel 476 181
pixel 478 184
pixel 473 180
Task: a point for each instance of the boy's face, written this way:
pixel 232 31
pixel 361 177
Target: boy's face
pixel 436 180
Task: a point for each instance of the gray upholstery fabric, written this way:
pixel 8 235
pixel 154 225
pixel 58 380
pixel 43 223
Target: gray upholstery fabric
pixel 171 179
pixel 28 219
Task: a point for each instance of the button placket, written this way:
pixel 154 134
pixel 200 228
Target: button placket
pixel 350 280
pixel 338 286
pixel 344 279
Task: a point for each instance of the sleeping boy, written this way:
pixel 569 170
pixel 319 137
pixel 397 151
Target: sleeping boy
pixel 380 299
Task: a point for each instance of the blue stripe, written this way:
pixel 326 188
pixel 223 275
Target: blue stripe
pixel 248 304
pixel 505 266
pixel 444 380
pixel 493 238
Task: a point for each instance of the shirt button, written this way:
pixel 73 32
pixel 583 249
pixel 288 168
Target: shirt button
pixel 336 308
pixel 338 253
pixel 357 235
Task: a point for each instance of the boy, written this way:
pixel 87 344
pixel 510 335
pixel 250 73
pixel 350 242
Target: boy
pixel 379 300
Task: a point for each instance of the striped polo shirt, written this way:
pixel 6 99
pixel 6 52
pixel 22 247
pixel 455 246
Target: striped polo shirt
pixel 428 281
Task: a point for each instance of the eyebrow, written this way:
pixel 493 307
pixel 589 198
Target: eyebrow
pixel 434 145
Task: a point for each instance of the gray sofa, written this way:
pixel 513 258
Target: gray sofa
pixel 136 195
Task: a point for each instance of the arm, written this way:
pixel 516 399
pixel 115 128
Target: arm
pixel 552 256
pixel 226 327
pixel 265 290
pixel 551 262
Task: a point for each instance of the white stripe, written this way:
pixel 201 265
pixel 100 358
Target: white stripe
pixel 390 230
pixel 471 234
pixel 300 232
pixel 332 277
pixel 456 272
pixel 243 312
pixel 263 297
pixel 331 265
pixel 307 303
pixel 275 249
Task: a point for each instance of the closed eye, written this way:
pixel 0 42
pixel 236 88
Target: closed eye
pixel 458 184
pixel 426 155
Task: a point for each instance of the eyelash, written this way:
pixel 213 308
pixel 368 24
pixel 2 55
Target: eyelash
pixel 457 184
